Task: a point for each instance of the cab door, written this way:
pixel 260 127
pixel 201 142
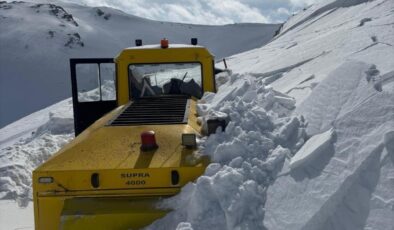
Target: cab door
pixel 93 90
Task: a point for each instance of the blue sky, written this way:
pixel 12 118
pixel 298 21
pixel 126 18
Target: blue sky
pixel 211 12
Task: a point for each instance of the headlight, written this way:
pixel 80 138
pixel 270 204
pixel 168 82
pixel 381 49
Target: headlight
pixel 189 140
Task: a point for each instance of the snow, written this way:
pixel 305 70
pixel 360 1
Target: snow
pixel 278 164
pixel 37 40
pixel 32 148
pixel 331 189
pixel 25 126
pixel 23 217
pixel 312 149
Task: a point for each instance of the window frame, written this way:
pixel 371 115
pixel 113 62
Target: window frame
pixel 98 64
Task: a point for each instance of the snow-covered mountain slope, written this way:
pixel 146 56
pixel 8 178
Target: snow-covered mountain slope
pixel 336 61
pixel 36 41
pixel 309 48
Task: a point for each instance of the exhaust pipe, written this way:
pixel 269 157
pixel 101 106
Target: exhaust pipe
pixel 194 41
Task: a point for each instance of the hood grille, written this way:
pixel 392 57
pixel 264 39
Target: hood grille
pixel 154 110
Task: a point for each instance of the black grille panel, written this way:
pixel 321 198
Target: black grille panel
pixel 154 110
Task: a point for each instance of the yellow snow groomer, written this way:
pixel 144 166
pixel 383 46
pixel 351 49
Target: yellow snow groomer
pixel 136 128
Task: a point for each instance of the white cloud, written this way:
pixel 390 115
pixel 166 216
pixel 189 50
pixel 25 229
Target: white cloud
pixel 206 11
pixel 302 3
pixel 283 11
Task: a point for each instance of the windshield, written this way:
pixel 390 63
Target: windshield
pixel 163 79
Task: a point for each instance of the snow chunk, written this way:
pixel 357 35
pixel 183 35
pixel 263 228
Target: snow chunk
pixel 56 125
pixel 312 148
pixel 275 161
pixel 184 226
pixel 286 101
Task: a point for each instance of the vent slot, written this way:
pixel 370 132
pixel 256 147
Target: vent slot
pixel 154 110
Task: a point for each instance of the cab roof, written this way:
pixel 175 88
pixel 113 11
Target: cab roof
pixel 170 46
pixel 155 53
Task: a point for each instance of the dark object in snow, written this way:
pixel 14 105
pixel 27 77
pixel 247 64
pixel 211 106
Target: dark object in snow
pixel 374 39
pixel 5 6
pixel 213 125
pixel 107 16
pixel 74 39
pixel 225 63
pixel 57 11
pixel 364 20
pixel 218 70
pixel 99 12
pixel 51 33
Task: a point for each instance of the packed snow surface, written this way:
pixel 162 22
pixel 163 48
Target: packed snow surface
pixel 24 218
pixel 330 67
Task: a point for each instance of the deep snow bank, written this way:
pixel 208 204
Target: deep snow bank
pixel 37 137
pixel 341 192
pixel 30 141
pixel 247 156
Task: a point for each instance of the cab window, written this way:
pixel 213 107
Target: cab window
pixel 165 79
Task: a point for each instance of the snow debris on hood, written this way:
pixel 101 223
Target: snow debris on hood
pixel 246 158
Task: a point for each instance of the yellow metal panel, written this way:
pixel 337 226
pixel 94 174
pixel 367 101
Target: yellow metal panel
pixel 116 147
pixel 49 212
pixel 80 180
pixel 113 152
pixel 63 212
pixel 110 213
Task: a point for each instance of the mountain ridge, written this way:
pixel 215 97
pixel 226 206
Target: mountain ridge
pixel 68 30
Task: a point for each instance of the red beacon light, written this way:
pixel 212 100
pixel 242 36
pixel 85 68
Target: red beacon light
pixel 164 43
pixel 148 141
